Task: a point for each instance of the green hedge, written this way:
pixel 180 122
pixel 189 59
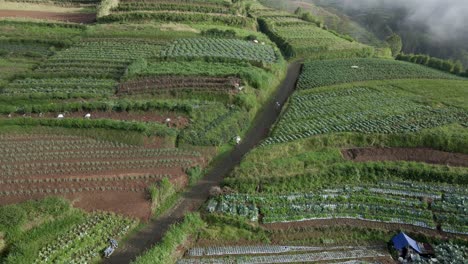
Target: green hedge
pixel 118 106
pixel 180 17
pixel 146 128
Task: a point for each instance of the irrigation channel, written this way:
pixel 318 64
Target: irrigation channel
pixel 194 198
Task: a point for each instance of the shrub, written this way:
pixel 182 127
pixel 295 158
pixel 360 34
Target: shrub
pixel 214 32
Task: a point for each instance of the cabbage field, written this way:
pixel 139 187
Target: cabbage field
pixel 331 72
pixel 359 109
pixel 415 204
pixel 219 49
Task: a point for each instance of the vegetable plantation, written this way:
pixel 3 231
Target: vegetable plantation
pixel 219 49
pixel 40 165
pixel 359 109
pixel 215 126
pixel 115 119
pixel 351 255
pixel 61 87
pixel 415 204
pixel 50 230
pixel 331 72
pixel 302 39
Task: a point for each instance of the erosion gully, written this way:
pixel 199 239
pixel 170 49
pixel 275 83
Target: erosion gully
pixel 193 198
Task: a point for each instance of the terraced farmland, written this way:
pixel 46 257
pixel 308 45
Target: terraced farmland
pixel 68 235
pixel 359 109
pixel 220 49
pixel 215 12
pixel 173 83
pixel 331 72
pixel 36 166
pixel 387 202
pixel 281 254
pixel 116 119
pixel 302 39
pixel 65 87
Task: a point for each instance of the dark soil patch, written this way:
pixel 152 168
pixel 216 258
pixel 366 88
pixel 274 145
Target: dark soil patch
pixel 134 204
pixel 84 18
pixel 426 155
pixel 361 224
pixel 173 83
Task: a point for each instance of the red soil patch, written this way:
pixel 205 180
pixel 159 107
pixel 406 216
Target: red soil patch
pixel 134 204
pixel 66 17
pixel 362 224
pixel 406 154
pixel 176 120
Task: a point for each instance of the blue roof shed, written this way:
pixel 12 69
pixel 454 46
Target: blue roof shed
pixel 402 240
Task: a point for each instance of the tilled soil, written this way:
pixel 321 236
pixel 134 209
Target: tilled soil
pixel 132 200
pixel 84 18
pixel 173 83
pixel 426 155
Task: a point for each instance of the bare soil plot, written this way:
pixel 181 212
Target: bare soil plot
pixel 95 175
pixel 84 18
pixel 174 83
pixel 362 224
pixel 406 154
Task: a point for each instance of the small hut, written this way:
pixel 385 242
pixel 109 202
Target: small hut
pixel 409 248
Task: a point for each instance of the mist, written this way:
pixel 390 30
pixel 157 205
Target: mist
pixel 444 19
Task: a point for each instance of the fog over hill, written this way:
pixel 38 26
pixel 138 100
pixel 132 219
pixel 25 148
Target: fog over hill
pixel 435 27
pixel 444 19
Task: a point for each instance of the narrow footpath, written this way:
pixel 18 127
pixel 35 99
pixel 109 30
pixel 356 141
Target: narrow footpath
pixel 193 198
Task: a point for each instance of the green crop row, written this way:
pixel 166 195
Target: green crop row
pixel 330 72
pixel 371 203
pixel 146 128
pixel 230 20
pixel 211 48
pixel 172 6
pixel 85 242
pixel 70 86
pixel 110 49
pixel 306 40
pixel 165 252
pixel 215 125
pixel 359 109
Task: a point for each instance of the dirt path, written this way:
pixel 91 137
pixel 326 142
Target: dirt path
pixel 408 154
pixel 66 17
pixel 197 195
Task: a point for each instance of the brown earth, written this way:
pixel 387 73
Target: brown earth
pixel 97 175
pixel 84 18
pixel 176 120
pixel 406 154
pixel 172 83
pixel 362 224
pixel 134 203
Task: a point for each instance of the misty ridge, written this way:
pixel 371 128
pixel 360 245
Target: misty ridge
pixel 444 20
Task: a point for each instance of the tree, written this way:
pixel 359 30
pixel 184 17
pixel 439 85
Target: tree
pixel 299 11
pixel 395 44
pixel 457 68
